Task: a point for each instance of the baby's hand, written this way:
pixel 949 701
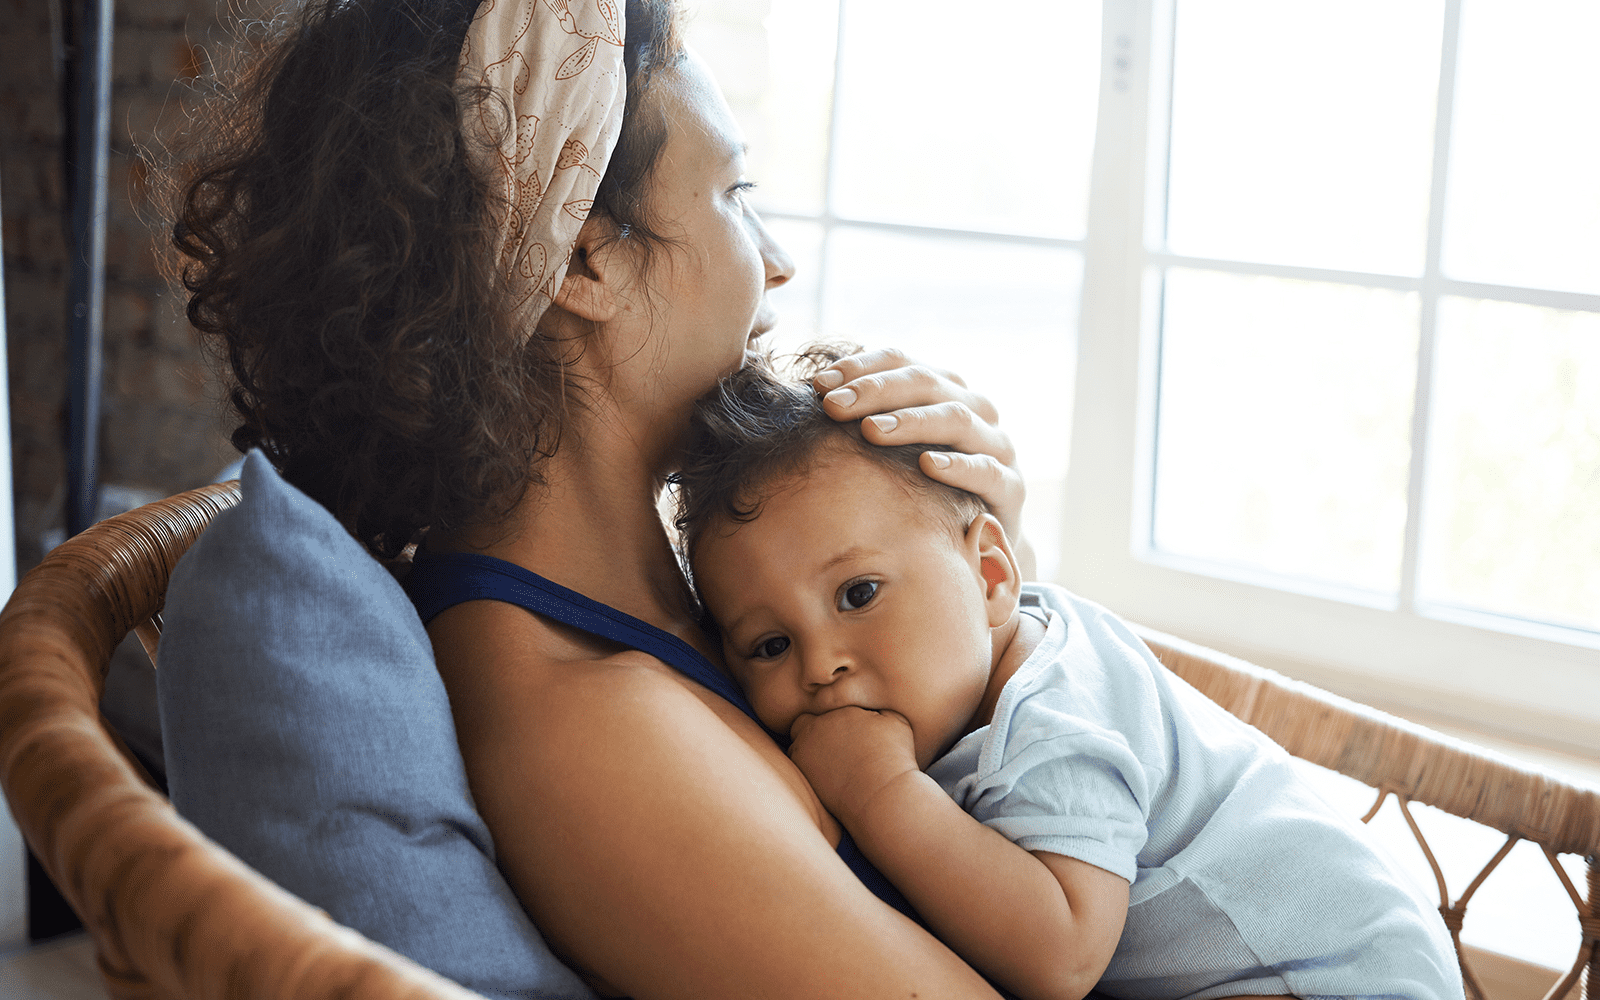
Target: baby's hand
pixel 850 754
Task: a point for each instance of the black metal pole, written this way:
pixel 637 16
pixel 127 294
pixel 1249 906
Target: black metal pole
pixel 86 285
pixel 87 107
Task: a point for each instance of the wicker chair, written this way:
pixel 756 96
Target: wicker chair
pixel 174 915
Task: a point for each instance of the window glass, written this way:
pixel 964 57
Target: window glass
pixel 1513 494
pixel 774 63
pixel 1523 202
pixel 1303 133
pixel 1283 436
pixel 1003 316
pixel 962 116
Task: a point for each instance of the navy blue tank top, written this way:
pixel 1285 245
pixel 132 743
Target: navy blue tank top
pixel 442 581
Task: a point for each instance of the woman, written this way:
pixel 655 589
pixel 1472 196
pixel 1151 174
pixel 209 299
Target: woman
pixel 447 302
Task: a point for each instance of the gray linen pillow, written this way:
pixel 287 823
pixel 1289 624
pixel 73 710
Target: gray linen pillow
pixel 307 731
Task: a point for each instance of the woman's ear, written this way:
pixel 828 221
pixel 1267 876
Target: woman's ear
pixel 986 543
pixel 598 274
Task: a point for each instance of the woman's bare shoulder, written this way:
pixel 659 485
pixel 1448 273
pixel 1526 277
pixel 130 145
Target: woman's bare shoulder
pixel 499 660
pixel 531 696
pixel 656 835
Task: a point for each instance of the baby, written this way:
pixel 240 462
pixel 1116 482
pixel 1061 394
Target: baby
pixel 1060 809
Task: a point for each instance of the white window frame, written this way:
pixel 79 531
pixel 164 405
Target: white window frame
pixel 1497 675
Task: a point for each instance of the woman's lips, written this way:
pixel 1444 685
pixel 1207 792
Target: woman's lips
pixel 766 319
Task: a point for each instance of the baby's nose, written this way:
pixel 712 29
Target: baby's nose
pixel 826 669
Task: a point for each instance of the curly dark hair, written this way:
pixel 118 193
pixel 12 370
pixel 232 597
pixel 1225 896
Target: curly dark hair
pixel 334 239
pixel 760 426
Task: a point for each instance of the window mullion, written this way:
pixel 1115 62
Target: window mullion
pixel 1162 46
pixel 1432 288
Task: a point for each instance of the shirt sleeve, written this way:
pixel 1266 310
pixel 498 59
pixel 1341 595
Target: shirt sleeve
pixel 1081 793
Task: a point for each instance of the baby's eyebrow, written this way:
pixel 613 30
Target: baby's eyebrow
pixel 852 553
pixel 728 628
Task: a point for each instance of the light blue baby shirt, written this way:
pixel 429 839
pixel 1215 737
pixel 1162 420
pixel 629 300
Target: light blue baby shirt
pixel 1243 880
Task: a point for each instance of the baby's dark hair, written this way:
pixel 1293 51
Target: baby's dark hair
pixel 760 425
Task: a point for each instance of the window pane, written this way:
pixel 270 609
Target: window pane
pixel 774 63
pixel 1002 316
pixel 1523 205
pixel 1303 133
pixel 1513 497
pixel 965 118
pixel 1283 438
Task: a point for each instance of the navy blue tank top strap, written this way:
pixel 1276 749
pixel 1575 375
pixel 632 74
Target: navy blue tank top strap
pixel 442 581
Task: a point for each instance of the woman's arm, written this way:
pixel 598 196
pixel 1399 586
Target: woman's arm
pixel 657 836
pixel 911 403
pixel 1041 925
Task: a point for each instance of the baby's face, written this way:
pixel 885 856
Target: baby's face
pixel 849 590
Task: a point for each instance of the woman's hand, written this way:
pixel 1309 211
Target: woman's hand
pixel 909 403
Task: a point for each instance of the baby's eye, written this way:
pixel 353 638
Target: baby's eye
pixel 857 595
pixel 770 649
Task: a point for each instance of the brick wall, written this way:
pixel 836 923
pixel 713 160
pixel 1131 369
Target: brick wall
pixel 161 429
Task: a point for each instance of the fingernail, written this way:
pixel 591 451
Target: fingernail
pixel 885 422
pixel 940 459
pixel 830 379
pixel 841 397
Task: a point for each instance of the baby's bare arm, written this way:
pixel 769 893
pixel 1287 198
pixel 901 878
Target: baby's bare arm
pixel 1042 925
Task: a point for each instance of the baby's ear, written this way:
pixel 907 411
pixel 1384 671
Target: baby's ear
pixel 986 543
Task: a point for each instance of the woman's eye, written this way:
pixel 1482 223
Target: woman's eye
pixel 743 186
pixel 770 649
pixel 857 595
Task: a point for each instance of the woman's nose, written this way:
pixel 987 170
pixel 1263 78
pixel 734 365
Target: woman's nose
pixel 779 266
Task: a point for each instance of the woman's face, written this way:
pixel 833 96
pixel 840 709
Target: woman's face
pixel 701 301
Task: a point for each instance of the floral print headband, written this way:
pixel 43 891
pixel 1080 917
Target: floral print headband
pixel 558 66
